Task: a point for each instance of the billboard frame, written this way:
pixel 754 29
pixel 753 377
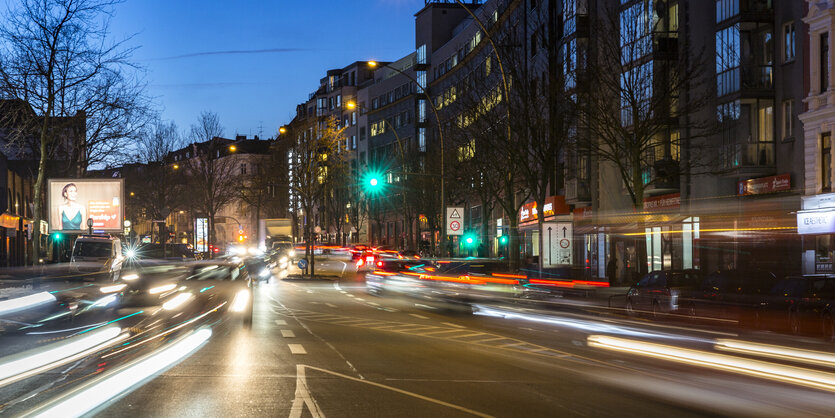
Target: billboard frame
pixel 122 202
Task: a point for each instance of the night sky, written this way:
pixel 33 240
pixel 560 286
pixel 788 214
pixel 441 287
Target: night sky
pixel 252 62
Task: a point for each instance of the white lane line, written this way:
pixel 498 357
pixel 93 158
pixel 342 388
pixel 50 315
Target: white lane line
pixel 418 316
pixel 342 291
pixel 288 333
pixel 374 303
pixel 297 349
pixel 336 286
pixel 439 332
pixel 453 325
pixel 330 305
pixel 487 339
pixel 280 322
pixel 470 335
pixel 350 295
pixel 361 299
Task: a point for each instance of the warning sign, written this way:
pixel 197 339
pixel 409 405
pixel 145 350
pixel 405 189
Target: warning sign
pixel 454 221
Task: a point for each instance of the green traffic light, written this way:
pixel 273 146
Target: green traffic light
pixel 56 237
pixel 503 239
pixel 469 240
pixel 373 182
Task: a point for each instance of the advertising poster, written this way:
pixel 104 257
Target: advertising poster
pixel 200 235
pixel 73 201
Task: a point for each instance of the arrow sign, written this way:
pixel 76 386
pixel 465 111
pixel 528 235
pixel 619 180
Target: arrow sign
pixel 560 249
pixel 563 231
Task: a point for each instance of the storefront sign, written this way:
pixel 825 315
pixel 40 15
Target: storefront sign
pixel 662 203
pixel 583 214
pixel 554 205
pixel 764 185
pixel 817 222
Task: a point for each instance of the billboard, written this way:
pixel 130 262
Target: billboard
pixel 73 201
pixel 201 235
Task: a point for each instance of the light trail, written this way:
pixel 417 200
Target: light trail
pixel 25 302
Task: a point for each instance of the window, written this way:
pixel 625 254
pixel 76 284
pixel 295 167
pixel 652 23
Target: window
pixel 788 42
pixel 726 9
pixel 728 60
pixel 422 139
pixel 362 133
pixel 353 142
pixel 421 112
pixel 353 118
pixel 788 118
pixel 243 168
pixel 826 162
pixel 421 54
pixel 338 100
pixel 824 61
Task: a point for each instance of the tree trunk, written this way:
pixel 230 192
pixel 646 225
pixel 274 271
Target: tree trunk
pixel 211 234
pixel 39 183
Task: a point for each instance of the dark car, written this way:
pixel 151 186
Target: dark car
pixel 800 305
pixel 661 291
pixel 732 295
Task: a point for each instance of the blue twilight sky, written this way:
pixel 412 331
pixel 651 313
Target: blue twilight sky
pixel 181 44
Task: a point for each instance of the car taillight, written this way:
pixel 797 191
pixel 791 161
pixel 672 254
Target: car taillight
pixel 360 263
pixel 379 264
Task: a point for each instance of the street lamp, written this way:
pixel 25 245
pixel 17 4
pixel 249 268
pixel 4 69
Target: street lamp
pixel 176 167
pixel 282 130
pixel 233 148
pixel 425 92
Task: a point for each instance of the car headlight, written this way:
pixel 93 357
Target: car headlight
pixel 241 301
pixel 265 273
pixel 291 253
pixel 282 260
pixel 131 253
pixel 130 277
pixel 113 289
pixel 176 301
pixel 161 289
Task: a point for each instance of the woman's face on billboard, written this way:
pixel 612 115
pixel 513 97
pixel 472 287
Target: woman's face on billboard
pixel 72 193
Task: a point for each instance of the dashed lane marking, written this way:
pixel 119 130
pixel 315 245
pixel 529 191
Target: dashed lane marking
pixel 418 316
pixel 288 333
pixel 297 349
pixel 280 322
pixel 453 325
pixel 374 303
pixel 330 305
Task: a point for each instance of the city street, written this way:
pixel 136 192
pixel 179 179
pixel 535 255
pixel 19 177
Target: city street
pixel 327 348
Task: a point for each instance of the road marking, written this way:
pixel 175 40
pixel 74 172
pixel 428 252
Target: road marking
pixel 470 335
pixel 420 305
pixel 330 305
pixel 300 400
pixel 288 333
pixel 487 339
pixel 280 322
pixel 374 303
pixel 418 316
pixel 303 397
pixel 342 291
pixel 441 332
pixel 361 299
pixel 453 325
pixel 297 349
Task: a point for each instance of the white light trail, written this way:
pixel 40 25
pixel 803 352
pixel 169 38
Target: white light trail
pixel 97 393
pixel 25 302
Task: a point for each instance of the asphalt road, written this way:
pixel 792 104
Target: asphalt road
pixel 327 348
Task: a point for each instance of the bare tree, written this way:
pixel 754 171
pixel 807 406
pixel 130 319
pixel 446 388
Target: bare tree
pixel 210 169
pixel 644 86
pixel 53 52
pixel 158 188
pixel 316 160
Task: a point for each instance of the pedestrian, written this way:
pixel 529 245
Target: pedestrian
pixel 612 271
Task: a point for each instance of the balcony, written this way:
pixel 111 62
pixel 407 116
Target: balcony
pixel 577 191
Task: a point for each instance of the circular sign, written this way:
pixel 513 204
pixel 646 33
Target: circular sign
pixel 454 225
pixel 564 243
pixel 303 263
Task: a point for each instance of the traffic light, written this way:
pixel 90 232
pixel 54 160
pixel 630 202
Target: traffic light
pixel 469 240
pixel 57 237
pixel 373 182
pixel 503 239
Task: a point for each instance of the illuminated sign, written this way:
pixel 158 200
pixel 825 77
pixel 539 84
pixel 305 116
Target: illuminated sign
pixel 662 203
pixel 201 234
pixel 817 222
pixel 764 185
pixel 554 205
pixel 73 201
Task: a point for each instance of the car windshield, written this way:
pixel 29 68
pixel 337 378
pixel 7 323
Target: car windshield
pixel 92 249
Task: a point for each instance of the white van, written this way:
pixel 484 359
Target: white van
pixel 97 253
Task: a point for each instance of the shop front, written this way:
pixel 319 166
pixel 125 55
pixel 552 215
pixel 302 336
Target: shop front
pixel 554 209
pixel 816 224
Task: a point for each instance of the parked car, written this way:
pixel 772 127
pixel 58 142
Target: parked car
pixel 732 295
pixel 660 292
pixel 800 305
pixel 100 254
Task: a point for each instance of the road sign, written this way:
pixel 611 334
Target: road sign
pixel 557 244
pixel 303 263
pixel 455 221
